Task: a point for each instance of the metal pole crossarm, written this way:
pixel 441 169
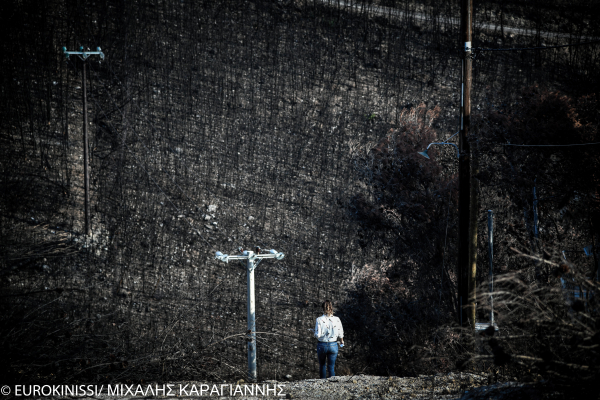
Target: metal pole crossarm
pixel 83 54
pixel 250 255
pixel 254 256
pixel 424 153
pixel 252 260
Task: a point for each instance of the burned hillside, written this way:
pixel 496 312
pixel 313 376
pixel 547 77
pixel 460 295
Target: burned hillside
pixel 219 125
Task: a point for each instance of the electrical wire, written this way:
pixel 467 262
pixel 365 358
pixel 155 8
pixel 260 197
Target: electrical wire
pixel 480 49
pixel 549 145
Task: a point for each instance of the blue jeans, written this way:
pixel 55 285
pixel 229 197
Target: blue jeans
pixel 327 353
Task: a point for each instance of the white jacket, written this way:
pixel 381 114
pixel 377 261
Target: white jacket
pixel 328 329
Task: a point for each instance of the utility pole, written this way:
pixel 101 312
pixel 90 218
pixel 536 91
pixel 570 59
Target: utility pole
pixel 252 260
pixel 536 231
pixel 491 258
pixel 467 230
pixel 473 228
pixel 83 55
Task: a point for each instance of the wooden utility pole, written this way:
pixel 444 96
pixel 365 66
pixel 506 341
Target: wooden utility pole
pixel 86 169
pixel 467 225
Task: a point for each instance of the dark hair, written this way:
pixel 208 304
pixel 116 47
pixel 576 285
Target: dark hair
pixel 328 307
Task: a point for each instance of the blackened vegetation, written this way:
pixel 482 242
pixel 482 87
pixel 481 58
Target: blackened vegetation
pixel 560 167
pixel 548 300
pixel 397 302
pixel 223 124
pixel 552 332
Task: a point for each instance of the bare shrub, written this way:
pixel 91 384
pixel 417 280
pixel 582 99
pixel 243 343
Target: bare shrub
pixel 539 142
pixel 550 331
pixel 397 301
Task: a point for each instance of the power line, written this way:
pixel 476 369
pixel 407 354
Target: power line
pixel 481 49
pixel 478 50
pixel 549 145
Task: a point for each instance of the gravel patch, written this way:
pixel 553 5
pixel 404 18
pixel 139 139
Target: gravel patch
pixel 447 386
pixel 442 386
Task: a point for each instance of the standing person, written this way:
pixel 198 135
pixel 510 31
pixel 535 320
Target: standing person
pixel 328 330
